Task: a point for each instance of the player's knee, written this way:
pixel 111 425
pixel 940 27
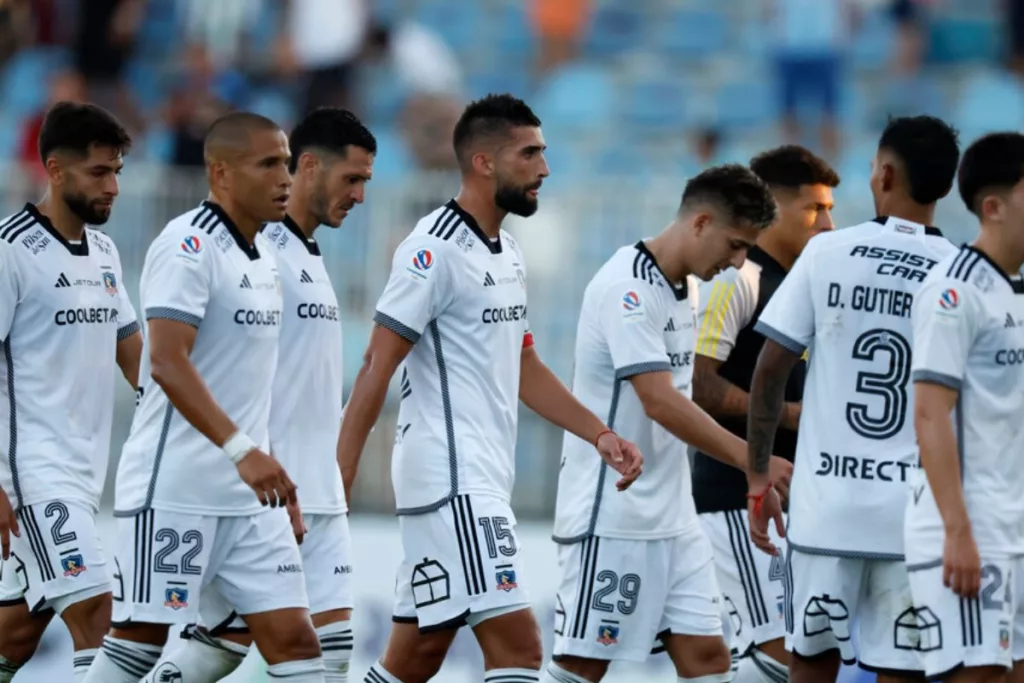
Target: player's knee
pixel 88 620
pixel 20 636
pixel 511 641
pixel 419 660
pixel 589 669
pixel 704 656
pixel 291 644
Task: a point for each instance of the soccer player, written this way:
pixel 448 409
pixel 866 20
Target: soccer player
pixel 454 315
pixel 727 348
pixel 636 566
pixel 332 160
pixel 965 518
pixel 65 321
pixel 195 478
pixel 848 298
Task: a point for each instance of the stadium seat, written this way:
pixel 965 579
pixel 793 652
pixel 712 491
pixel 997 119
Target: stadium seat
pixel 575 97
pixel 393 160
pixel 513 79
pixel 614 29
pixel 872 46
pixel 382 94
pixel 511 35
pixel 460 23
pixel 965 39
pixel 747 103
pixel 692 34
pixel 990 101
pixel 20 90
pixel 654 106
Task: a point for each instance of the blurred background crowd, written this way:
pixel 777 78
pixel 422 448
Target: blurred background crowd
pixel 635 96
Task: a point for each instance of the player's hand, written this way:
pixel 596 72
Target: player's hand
pixel 761 516
pixel 791 416
pixel 623 456
pixel 780 471
pixel 961 563
pixel 266 478
pixel 298 523
pixel 8 525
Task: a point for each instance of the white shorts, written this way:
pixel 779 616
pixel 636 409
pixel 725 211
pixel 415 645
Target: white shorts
pixel 959 632
pixel 459 561
pixel 326 552
pixel 169 563
pixel 58 556
pixel 825 595
pixel 618 598
pixel 750 579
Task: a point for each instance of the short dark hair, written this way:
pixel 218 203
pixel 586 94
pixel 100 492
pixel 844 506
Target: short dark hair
pixel 791 166
pixel 736 190
pixel 330 129
pixel 74 127
pixel 489 116
pixel 929 149
pixel 992 162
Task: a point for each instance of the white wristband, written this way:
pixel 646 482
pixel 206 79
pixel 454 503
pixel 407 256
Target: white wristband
pixel 238 446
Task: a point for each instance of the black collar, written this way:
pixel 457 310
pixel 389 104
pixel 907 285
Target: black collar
pixel 250 250
pixel 928 229
pixel 493 245
pixel 311 246
pixel 679 290
pixel 765 260
pixel 79 249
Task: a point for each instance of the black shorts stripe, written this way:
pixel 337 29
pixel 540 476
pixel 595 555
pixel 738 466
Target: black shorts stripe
pixel 475 540
pixel 462 544
pixel 586 565
pixel 587 588
pixel 143 556
pixel 746 547
pixel 970 622
pixel 37 545
pixel 737 540
pixel 787 589
pixel 469 546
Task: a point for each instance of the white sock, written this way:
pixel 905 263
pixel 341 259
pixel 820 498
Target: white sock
pixel 298 671
pixel 122 661
pixel 512 676
pixel 83 660
pixel 710 678
pixel 7 669
pixel 757 667
pixel 378 674
pixel 336 645
pixel 200 659
pixel 556 674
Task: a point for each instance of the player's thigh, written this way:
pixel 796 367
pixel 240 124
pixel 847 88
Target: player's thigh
pixel 611 598
pixel 751 581
pixel 461 564
pixel 327 563
pixel 822 597
pixel 955 632
pixel 887 622
pixel 161 563
pixel 59 555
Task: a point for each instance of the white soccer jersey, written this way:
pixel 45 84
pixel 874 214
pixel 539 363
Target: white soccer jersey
pixel 305 411
pixel 633 320
pixel 460 298
pixel 62 311
pixel 969 336
pixel 201 271
pixel 848 299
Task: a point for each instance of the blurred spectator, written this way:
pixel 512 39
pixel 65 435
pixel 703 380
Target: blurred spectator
pixel 427 125
pixel 810 42
pixel 16 26
pixel 221 26
pixel 559 25
pixel 1015 19
pixel 104 42
pixel 193 106
pixel 707 145
pixel 910 37
pixel 422 60
pixel 64 86
pixel 321 43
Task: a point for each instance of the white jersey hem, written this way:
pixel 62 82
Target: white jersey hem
pixel 193 510
pixel 691 529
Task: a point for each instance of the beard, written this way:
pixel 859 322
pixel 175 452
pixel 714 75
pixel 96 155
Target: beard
pixel 83 208
pixel 515 200
pixel 320 207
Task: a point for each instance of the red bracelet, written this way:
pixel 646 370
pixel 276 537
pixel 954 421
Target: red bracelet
pixel 598 437
pixel 758 498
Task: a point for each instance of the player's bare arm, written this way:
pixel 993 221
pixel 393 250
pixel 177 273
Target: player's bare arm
pixel 8 525
pixel 543 393
pixel 933 407
pixel 384 354
pixel 721 398
pixel 129 355
pixel 170 344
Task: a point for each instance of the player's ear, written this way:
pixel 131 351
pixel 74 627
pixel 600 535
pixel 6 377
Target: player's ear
pixel 54 170
pixel 483 164
pixel 308 162
pixel 888 177
pixel 992 207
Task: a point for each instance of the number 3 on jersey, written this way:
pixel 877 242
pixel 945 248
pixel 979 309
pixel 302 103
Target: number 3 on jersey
pixel 889 386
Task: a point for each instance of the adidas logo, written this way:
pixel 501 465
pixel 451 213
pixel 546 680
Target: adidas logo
pixel 245 282
pixel 63 281
pixel 1010 322
pixel 488 280
pixel 304 277
pixel 671 327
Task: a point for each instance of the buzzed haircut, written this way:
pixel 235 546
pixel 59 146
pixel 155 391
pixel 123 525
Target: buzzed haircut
pixel 332 130
pixel 929 149
pixel 491 116
pixel 232 131
pixel 791 167
pixel 993 163
pixel 734 190
pixel 73 127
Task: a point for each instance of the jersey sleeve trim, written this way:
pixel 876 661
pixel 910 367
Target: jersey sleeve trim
pixel 128 330
pixel 642 369
pixel 399 328
pixel 165 313
pixel 716 318
pixel 788 342
pixel 932 377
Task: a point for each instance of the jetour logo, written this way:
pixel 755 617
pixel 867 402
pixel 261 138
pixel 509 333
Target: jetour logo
pixel 949 300
pixel 191 245
pixel 631 301
pixel 423 259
